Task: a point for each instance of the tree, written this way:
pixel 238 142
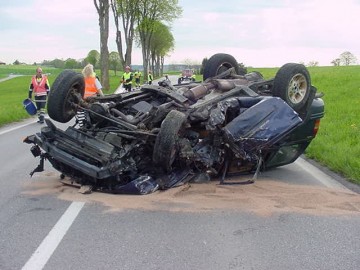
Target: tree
pixel 347 58
pixel 313 64
pixel 162 42
pixel 336 62
pixel 126 10
pixel 165 46
pixel 151 12
pixel 102 7
pixel 17 62
pixel 114 61
pixel 58 63
pixel 71 63
pixel 93 57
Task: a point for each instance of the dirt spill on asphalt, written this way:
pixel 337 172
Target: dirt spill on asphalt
pixel 265 197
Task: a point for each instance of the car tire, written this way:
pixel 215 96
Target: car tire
pixel 68 88
pixel 218 63
pixel 166 141
pixel 292 83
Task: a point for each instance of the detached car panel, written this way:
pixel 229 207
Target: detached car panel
pixel 162 136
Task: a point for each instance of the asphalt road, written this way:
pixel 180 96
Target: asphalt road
pixel 293 217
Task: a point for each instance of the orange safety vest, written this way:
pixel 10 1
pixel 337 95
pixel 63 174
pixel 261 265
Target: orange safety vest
pixel 39 86
pixel 90 87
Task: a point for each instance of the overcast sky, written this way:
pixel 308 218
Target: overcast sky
pixel 259 33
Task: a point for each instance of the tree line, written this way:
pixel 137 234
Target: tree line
pixel 145 23
pixel 142 23
pixel 344 59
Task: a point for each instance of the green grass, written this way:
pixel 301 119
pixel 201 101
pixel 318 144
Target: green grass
pixel 338 142
pixel 12 93
pixel 336 146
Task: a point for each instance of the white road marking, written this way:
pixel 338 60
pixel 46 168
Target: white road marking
pixel 43 253
pixel 322 177
pixel 15 128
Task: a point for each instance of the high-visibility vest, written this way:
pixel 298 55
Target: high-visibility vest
pixel 39 87
pixel 150 77
pixel 90 87
pixel 127 76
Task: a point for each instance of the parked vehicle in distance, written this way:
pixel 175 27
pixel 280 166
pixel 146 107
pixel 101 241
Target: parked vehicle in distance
pixel 163 135
pixel 187 75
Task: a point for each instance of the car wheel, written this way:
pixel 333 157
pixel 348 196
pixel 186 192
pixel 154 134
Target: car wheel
pixel 292 83
pixel 165 148
pixel 218 63
pixel 67 89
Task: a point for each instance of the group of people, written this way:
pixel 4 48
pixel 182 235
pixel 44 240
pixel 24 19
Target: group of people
pixel 128 76
pixel 40 87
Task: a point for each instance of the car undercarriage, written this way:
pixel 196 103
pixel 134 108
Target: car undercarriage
pixel 163 136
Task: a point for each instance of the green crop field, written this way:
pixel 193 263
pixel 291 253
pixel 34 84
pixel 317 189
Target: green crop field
pixel 336 146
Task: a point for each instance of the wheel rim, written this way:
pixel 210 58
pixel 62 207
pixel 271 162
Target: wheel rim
pixel 297 88
pixel 224 67
pixel 72 97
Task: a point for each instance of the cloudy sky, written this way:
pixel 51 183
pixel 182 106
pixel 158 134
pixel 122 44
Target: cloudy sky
pixel 259 33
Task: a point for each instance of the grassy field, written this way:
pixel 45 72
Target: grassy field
pixel 336 146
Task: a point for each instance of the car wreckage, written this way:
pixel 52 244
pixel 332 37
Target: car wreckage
pixel 165 135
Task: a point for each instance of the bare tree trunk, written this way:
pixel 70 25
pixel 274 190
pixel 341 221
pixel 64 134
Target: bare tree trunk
pixel 145 63
pixel 162 60
pixel 102 7
pixel 153 63
pixel 126 10
pixel 158 66
pixel 145 53
pixel 118 32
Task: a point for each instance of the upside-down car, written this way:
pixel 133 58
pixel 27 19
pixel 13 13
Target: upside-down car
pixel 164 135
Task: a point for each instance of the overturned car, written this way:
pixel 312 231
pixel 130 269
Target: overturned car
pixel 162 136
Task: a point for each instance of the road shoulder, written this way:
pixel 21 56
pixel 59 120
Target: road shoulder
pixel 339 178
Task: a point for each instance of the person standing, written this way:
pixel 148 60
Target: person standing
pixel 150 78
pixel 93 87
pixel 40 87
pixel 92 84
pixel 127 79
pixel 137 76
